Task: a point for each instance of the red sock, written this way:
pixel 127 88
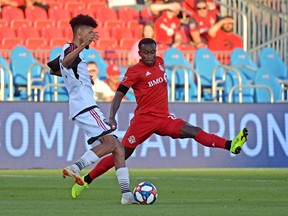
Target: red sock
pixel 210 140
pixel 103 166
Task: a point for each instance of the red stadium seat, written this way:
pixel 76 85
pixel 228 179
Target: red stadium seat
pixel 3 23
pixel 186 47
pixel 20 23
pixel 39 24
pixel 68 32
pixel 91 1
pixel 127 13
pixel 52 32
pixel 132 24
pixel 35 13
pixel 58 14
pixel 35 43
pixel 162 47
pixel 82 11
pixel 127 43
pixel 121 32
pixel 63 24
pixel 10 42
pixel 106 44
pixel 9 13
pixel 110 24
pixel 54 4
pixel 103 32
pixel 65 1
pixel 137 31
pixel 58 42
pixel 7 32
pixel 146 15
pixel 28 32
pixel 94 6
pixel 72 6
pixel 104 14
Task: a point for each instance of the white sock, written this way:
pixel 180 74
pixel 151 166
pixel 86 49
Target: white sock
pixel 123 179
pixel 87 159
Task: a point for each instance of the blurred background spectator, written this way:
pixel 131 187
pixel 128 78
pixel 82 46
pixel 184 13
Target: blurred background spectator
pixel 23 4
pixel 221 36
pixel 147 32
pixel 38 3
pixel 200 22
pixel 13 3
pixel 113 77
pixel 102 92
pixel 167 23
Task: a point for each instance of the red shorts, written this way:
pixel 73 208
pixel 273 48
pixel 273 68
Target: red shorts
pixel 142 127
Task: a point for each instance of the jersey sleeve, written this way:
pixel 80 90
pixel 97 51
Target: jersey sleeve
pixel 68 48
pixel 130 78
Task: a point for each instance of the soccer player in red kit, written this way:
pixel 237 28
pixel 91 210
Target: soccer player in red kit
pixel 149 82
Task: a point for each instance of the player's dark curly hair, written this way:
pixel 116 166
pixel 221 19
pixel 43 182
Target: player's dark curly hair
pixel 82 20
pixel 146 41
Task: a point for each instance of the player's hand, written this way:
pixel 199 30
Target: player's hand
pixel 92 37
pixel 113 123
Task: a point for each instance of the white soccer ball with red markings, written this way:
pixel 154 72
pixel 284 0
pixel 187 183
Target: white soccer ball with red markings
pixel 145 193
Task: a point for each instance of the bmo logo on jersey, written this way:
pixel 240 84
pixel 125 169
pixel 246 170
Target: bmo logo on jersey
pixel 157 81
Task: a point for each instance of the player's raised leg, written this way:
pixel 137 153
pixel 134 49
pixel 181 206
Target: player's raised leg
pixel 91 156
pixel 213 140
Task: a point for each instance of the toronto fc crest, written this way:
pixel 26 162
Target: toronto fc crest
pixel 161 67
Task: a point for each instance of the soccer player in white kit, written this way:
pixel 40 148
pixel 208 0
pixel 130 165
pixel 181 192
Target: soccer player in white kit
pixel 83 109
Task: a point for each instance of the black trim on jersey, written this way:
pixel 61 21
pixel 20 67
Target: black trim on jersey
pixel 123 89
pixel 54 65
pixel 85 110
pixel 93 139
pixel 74 64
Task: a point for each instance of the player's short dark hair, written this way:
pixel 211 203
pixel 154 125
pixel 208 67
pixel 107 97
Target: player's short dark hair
pixel 82 20
pixel 146 41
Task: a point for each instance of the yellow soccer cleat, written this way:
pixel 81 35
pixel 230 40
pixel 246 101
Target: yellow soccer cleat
pixel 77 189
pixel 238 141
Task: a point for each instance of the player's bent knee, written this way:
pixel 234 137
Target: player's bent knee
pixel 109 142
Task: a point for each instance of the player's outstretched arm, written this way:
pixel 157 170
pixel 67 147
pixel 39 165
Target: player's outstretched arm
pixel 115 104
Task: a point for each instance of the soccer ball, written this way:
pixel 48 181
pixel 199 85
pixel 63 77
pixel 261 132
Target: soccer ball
pixel 145 193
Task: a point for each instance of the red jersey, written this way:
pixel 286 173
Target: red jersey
pixel 162 35
pixel 224 41
pixel 149 84
pixel 202 24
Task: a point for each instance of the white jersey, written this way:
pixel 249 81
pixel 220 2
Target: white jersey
pixel 77 82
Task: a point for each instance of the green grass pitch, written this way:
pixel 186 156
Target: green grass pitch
pixel 180 192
